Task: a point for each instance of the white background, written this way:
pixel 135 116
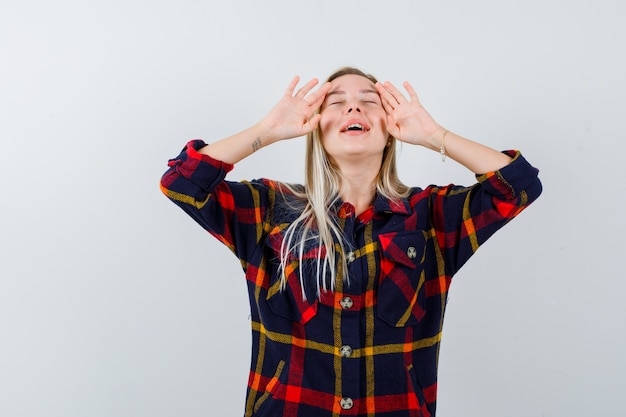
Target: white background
pixel 114 303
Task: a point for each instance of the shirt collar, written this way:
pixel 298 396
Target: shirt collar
pixel 387 206
pixel 382 205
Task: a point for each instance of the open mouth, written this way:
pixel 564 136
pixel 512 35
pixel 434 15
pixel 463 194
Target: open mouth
pixel 355 127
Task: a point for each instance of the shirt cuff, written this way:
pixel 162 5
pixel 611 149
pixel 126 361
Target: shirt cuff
pixel 200 168
pixel 511 179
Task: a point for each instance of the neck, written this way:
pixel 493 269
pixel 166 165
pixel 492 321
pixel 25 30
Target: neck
pixel 359 185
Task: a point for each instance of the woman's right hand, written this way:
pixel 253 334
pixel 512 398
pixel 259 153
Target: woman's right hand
pixel 294 115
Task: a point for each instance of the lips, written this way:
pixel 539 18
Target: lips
pixel 355 125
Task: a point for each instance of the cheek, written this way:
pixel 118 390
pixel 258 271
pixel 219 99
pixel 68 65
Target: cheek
pixel 326 122
pixel 382 118
pixel 380 125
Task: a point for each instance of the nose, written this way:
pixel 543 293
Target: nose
pixel 353 108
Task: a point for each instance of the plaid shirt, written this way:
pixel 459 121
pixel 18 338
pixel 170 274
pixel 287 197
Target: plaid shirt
pixel 370 347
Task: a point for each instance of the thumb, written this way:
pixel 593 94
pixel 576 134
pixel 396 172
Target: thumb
pixel 392 127
pixel 312 124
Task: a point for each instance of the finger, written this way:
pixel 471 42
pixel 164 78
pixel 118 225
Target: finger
pixel 386 98
pixel 302 92
pixel 411 91
pixel 316 99
pixel 292 86
pixel 383 92
pixel 386 106
pixel 390 102
pixel 397 94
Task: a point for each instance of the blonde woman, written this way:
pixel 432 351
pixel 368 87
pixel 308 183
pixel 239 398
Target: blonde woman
pixel 348 274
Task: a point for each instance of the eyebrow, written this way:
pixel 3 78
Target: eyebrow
pixel 365 91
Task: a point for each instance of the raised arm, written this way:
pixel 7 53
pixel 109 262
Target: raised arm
pixel 293 116
pixel 408 121
pixel 195 180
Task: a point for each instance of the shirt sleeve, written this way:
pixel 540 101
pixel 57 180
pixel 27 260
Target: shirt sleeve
pixel 233 212
pixel 465 217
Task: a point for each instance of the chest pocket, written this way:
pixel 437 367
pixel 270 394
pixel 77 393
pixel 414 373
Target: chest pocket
pixel 401 292
pixel 289 302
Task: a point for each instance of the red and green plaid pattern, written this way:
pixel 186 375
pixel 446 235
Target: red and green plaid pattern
pixel 370 347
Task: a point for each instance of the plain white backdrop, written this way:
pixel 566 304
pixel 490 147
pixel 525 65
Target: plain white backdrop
pixel 114 303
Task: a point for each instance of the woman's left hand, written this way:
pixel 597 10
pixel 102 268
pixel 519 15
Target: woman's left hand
pixel 407 120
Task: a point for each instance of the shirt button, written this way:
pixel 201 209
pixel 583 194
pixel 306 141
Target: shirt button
pixel 346 403
pixel 351 257
pixel 346 303
pixel 345 351
pixel 411 252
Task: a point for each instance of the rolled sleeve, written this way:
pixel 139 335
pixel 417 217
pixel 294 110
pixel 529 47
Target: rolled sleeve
pixel 201 170
pixel 516 178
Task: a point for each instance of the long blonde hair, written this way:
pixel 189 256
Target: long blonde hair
pixel 317 223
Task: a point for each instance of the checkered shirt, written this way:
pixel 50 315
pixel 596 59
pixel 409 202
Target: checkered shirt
pixel 369 347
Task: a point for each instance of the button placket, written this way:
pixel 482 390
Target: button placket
pixel 349 333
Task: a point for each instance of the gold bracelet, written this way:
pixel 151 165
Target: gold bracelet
pixel 442 150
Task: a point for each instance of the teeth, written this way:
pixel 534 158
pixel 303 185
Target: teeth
pixel 355 126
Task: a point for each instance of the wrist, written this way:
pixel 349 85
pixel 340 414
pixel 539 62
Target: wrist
pixel 442 147
pixel 264 132
pixel 436 138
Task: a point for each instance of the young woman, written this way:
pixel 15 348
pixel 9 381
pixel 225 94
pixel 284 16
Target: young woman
pixel 348 274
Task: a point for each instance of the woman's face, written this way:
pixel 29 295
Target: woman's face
pixel 353 123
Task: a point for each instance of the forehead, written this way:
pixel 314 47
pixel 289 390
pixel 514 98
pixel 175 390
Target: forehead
pixel 351 82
